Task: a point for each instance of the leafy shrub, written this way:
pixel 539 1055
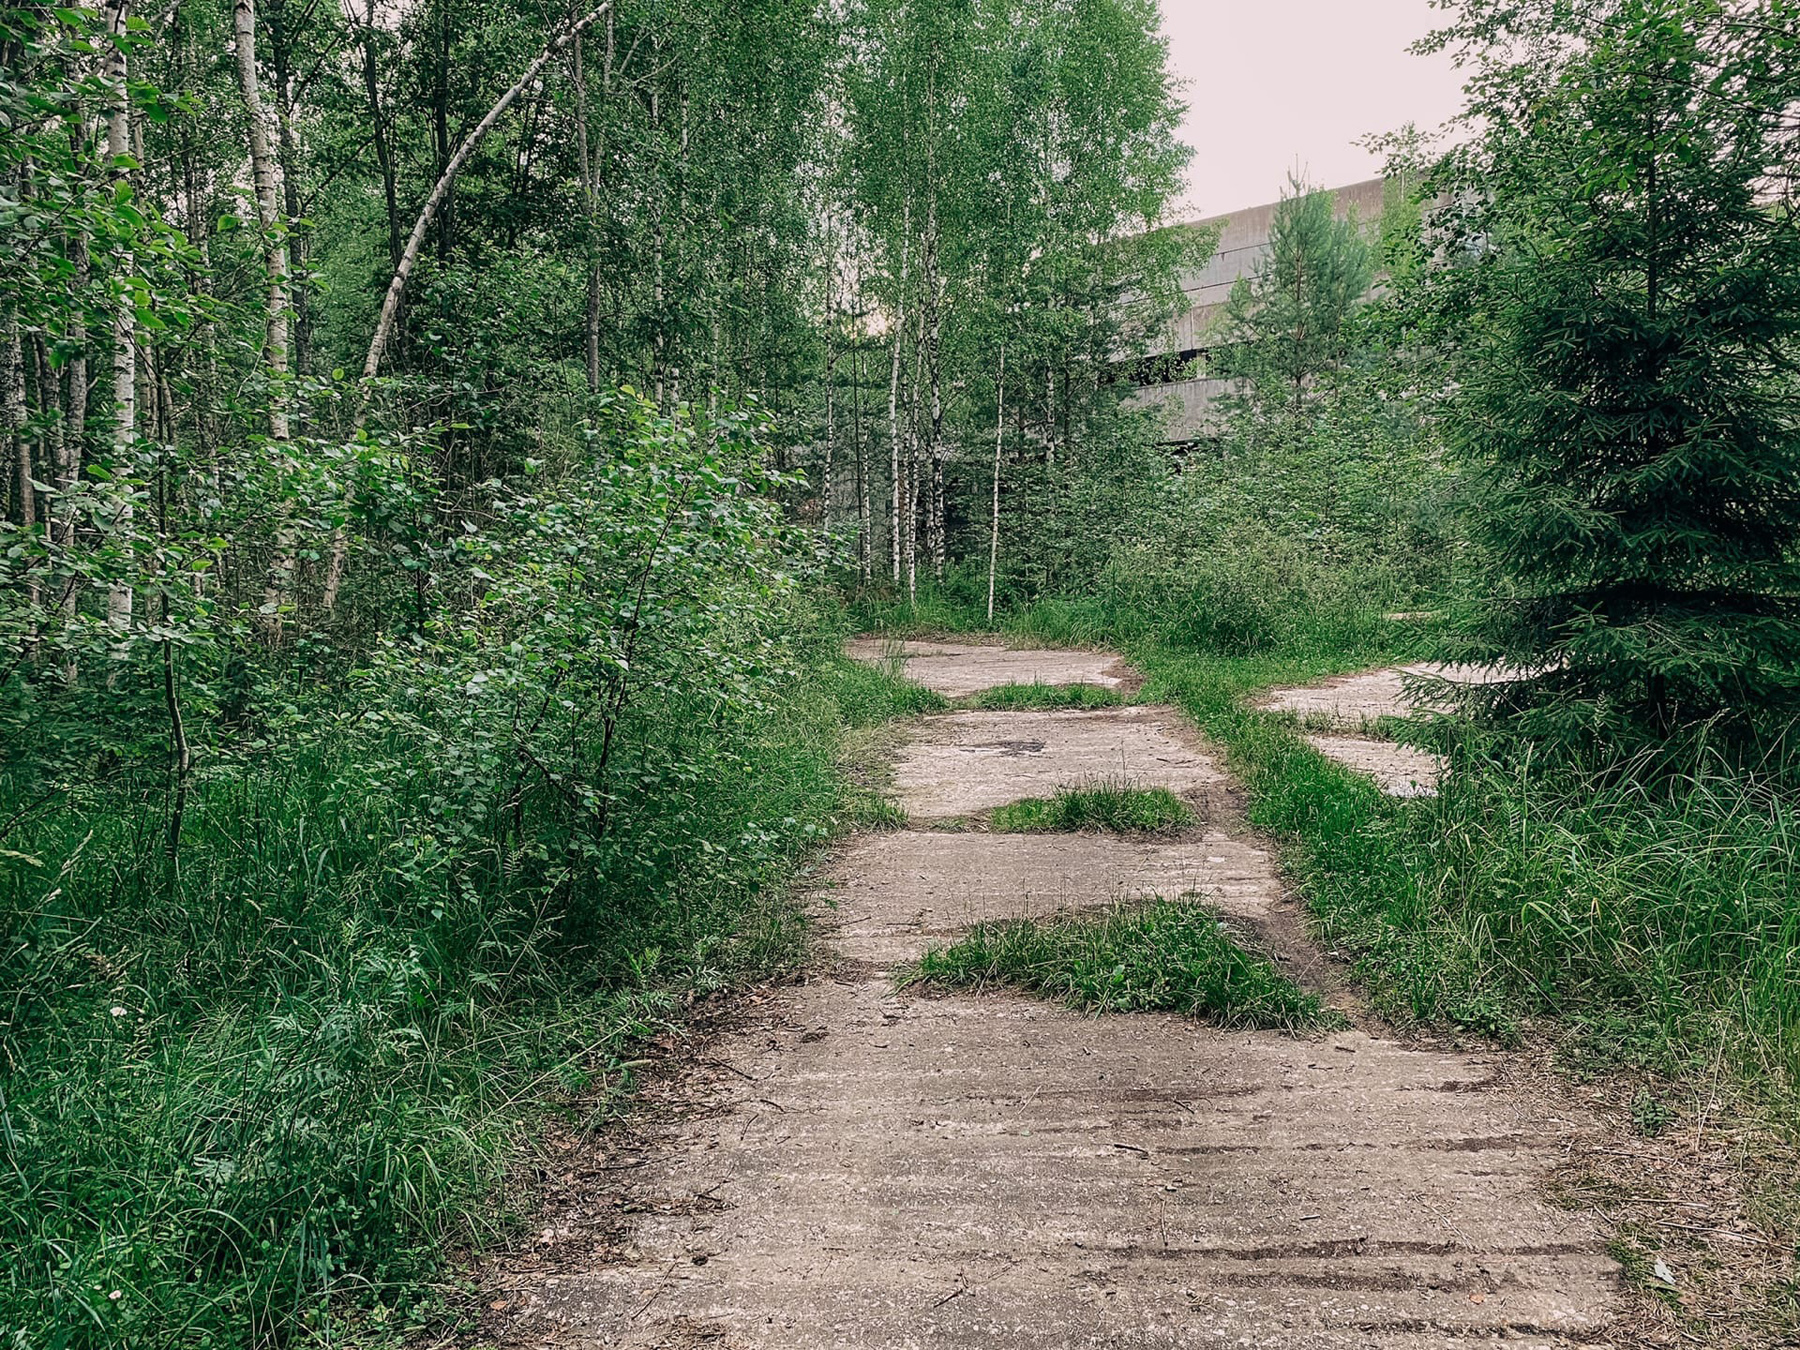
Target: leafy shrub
pixel 283 1065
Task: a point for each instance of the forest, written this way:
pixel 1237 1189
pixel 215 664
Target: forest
pixel 445 446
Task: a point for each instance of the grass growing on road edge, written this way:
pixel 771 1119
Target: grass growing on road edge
pixel 1049 697
pixel 1658 923
pixel 1100 805
pixel 1654 925
pixel 268 1113
pixel 1161 956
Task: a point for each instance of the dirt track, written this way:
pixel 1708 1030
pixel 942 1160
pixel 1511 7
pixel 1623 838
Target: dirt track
pixel 858 1167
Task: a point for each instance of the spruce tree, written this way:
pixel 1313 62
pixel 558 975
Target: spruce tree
pixel 1625 283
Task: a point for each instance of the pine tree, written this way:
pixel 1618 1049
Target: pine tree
pixel 1628 296
pixel 1285 326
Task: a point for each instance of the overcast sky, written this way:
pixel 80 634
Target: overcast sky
pixel 1277 83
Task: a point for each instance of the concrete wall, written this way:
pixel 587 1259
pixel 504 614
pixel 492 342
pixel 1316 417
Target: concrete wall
pixel 1186 403
pixel 1243 242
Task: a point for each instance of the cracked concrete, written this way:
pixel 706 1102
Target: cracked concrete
pixel 1354 701
pixel 855 1166
pixel 898 893
pixel 1398 770
pixel 958 669
pixel 1357 703
pixel 958 764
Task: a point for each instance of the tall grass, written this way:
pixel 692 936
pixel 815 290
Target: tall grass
pixel 1231 600
pixel 1657 911
pixel 248 1099
pixel 1660 910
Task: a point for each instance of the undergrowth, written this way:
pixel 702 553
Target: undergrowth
pixel 1100 805
pixel 258 1099
pixel 1163 955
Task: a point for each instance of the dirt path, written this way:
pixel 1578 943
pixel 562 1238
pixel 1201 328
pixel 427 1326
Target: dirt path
pixel 857 1166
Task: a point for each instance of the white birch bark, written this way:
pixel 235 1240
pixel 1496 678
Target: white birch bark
pixel 409 256
pixel 913 439
pixel 590 197
pixel 830 366
pixel 994 523
pixel 119 596
pixel 277 333
pixel 898 480
pixel 13 402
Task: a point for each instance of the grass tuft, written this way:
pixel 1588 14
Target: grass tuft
pixel 1163 956
pixel 1051 697
pixel 1115 807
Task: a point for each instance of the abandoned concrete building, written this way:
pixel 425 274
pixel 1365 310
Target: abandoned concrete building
pixel 1243 242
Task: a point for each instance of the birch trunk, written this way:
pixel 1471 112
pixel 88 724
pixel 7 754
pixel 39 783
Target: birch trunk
pixel 409 256
pixel 62 470
pixel 79 383
pixel 935 510
pixel 830 365
pixel 384 157
pixel 912 469
pixel 656 234
pixel 277 330
pixel 12 389
pixel 898 481
pixel 589 211
pixel 74 431
pixel 120 594
pixel 268 214
pixel 12 401
pixel 864 512
pixel 994 522
pixel 287 158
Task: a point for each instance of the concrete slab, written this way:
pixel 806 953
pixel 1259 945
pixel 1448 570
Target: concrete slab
pixel 957 670
pixel 996 1173
pixel 853 1166
pixel 1399 770
pixel 1354 701
pixel 898 893
pixel 962 763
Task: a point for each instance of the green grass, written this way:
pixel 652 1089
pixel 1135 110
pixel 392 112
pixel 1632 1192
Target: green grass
pixel 261 1108
pixel 1164 955
pixel 1050 697
pixel 1115 807
pixel 1656 915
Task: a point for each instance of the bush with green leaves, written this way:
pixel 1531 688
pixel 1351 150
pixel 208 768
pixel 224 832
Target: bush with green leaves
pixel 272 1074
pixel 614 621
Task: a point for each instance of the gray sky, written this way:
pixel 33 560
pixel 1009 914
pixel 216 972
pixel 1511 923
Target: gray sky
pixel 1277 83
